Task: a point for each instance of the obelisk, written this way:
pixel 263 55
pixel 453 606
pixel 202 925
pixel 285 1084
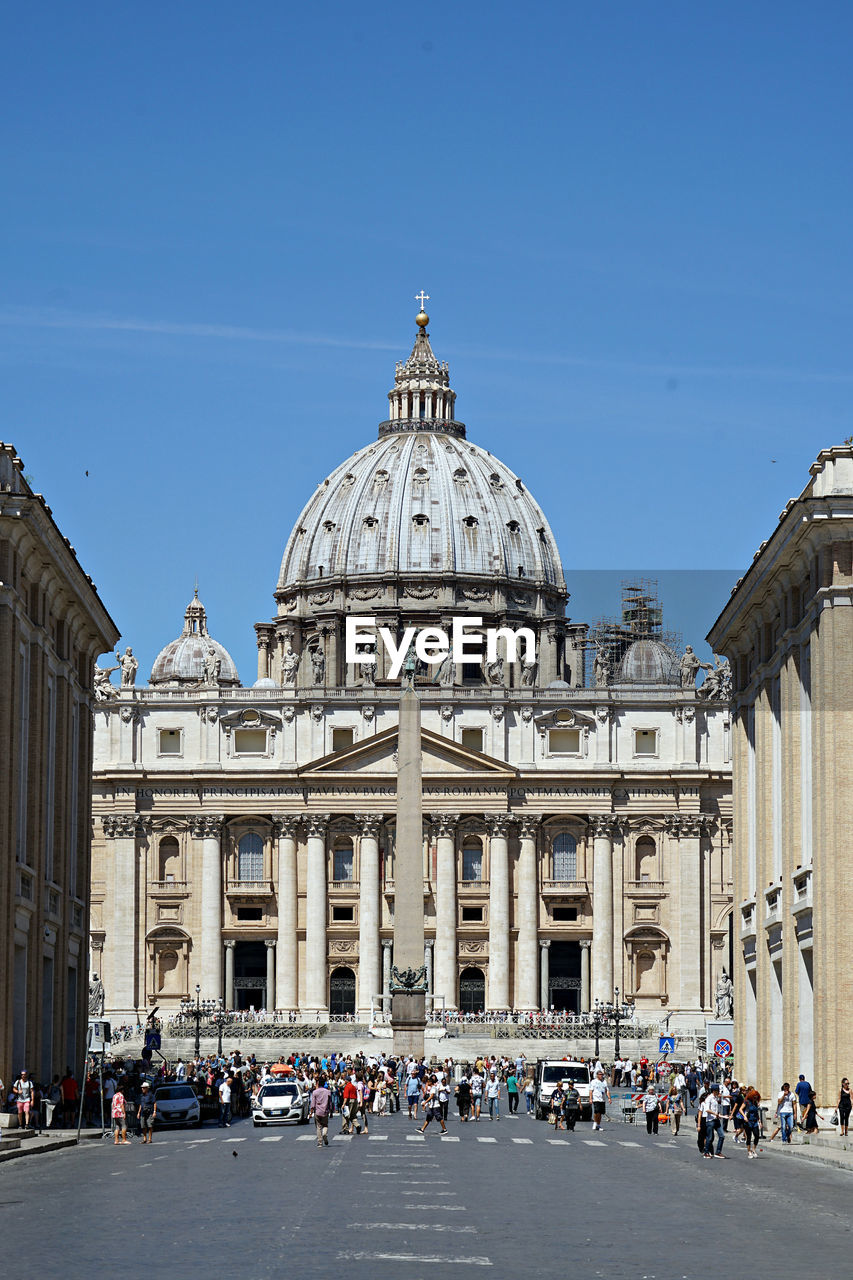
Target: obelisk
pixel 408 976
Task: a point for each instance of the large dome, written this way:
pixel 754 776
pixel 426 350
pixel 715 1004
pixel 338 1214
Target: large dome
pixel 648 661
pixel 187 660
pixel 418 503
pixel 422 501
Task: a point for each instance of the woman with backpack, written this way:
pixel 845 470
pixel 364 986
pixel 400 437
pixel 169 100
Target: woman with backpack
pixel 750 1121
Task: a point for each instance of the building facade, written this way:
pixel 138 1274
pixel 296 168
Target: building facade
pixel 52 628
pixel 578 832
pixel 788 633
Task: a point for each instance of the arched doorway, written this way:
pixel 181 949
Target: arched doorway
pixel 472 991
pixel 342 992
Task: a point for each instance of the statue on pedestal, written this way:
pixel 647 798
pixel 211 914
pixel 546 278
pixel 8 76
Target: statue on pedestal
pixel 96 997
pixel 724 996
pixel 689 668
pixel 212 667
pixel 289 665
pixel 104 690
pixel 129 667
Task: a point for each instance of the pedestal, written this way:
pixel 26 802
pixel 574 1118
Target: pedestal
pixel 408 1018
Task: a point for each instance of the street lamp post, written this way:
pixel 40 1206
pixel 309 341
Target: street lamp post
pixel 619 1014
pixel 597 1019
pixel 197 1015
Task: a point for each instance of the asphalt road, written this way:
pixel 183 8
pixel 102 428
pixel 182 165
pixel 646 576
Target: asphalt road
pixel 506 1199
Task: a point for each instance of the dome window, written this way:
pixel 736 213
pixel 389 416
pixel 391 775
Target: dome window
pixel 513 526
pixel 460 474
pixel 329 526
pixel 541 532
pixel 420 475
pixel 380 479
pixel 519 486
pixel 370 522
pixel 349 479
pixel 495 481
pixel 420 520
pixel 521 571
pixel 470 522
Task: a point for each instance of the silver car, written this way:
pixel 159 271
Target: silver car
pixel 177 1104
pixel 280 1103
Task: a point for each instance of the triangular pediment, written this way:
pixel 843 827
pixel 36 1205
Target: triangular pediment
pixel 378 755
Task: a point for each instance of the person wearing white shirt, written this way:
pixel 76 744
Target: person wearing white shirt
pixel 493 1095
pixel 599 1096
pixel 710 1110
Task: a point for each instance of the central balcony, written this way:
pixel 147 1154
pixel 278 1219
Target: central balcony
pixel 249 889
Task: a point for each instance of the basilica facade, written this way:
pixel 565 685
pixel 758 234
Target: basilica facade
pixel 577 834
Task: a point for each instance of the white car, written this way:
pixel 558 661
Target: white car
pixel 280 1103
pixel 550 1074
pixel 177 1104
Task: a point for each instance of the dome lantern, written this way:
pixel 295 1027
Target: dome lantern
pixel 422 398
pixel 188 660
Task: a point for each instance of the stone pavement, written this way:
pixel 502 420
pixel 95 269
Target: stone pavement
pixel 513 1198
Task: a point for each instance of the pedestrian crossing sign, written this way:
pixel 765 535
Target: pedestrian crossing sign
pixel 666 1044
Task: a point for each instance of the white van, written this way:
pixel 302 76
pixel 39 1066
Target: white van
pixel 551 1072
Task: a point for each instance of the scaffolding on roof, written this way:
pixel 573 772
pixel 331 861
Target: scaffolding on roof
pixel 641 618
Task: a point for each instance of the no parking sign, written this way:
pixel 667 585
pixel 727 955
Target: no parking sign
pixel 723 1048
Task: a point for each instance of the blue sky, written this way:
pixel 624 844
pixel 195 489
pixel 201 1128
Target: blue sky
pixel 633 222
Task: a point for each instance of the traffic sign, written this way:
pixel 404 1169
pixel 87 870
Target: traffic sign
pixel 723 1048
pixel 666 1044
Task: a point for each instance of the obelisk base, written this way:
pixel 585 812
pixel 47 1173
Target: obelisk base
pixel 408 1020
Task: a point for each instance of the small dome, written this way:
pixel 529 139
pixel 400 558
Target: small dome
pixel 648 662
pixel 558 684
pixel 188 660
pixel 265 682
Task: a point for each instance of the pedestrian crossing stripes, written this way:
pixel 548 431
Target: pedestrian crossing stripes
pixel 558 1142
pixel 415 1137
pixel 487 1139
pixel 274 1137
pixel 528 1142
pixel 447 1138
pixel 593 1142
pixel 377 1137
pixel 306 1137
pixel 629 1144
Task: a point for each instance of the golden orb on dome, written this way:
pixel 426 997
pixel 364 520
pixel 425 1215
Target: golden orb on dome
pixel 422 319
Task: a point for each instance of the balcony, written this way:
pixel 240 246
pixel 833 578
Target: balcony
pixel 24 884
pixel 747 919
pixel 473 886
pixel 773 905
pixel 166 887
pixel 389 888
pixel 249 889
pixel 344 884
pixel 640 888
pixel 565 888
pixel 802 880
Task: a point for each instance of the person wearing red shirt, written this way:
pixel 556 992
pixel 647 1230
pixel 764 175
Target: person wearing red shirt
pixel 349 1107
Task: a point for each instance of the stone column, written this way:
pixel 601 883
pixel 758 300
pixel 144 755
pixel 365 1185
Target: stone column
pixel 408 1005
pixel 544 975
pixel 498 825
pixel 120 981
pixel 528 916
pixel 369 915
pixel 287 949
pixel 602 900
pixel 209 829
pixel 444 976
pixel 685 831
pixel 428 950
pixel 585 946
pixel 316 910
pixel 229 973
pixel 387 948
pixel 269 943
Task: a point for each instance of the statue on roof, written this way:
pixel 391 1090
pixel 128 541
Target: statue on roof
pixel 601 667
pixel 129 667
pixel 104 690
pixel 212 667
pixel 289 665
pixel 689 668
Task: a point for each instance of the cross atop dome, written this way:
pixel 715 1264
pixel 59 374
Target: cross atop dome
pixel 422 398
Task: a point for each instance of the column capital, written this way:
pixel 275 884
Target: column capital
pixel 269 943
pixel 119 826
pixel 207 826
pixel 528 826
pixel 387 944
pixel 497 824
pixel 444 824
pixel 602 825
pixel 285 825
pixel 368 825
pixel 686 826
pixel 230 944
pixel 429 943
pixel 544 943
pixel 586 943
pixel 316 823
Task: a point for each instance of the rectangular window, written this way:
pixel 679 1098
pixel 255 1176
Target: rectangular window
pixel 343 864
pixel 342 738
pixel 250 742
pixel 343 913
pixel 170 742
pixel 565 742
pixel 472 915
pixel 472 863
pixel 250 914
pixel 50 781
pixel 472 739
pixel 564 913
pixel 645 742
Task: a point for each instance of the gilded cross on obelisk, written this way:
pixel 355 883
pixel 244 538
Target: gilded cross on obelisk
pixel 422 298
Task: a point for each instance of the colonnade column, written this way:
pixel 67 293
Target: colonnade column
pixel 444 976
pixel 269 943
pixel 686 829
pixel 230 944
pixel 120 829
pixel 544 975
pixel 602 902
pixel 369 917
pixel 585 946
pixel 528 916
pixel 316 908
pixel 287 947
pixel 387 948
pixel 209 828
pixel 498 825
pixel 429 946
